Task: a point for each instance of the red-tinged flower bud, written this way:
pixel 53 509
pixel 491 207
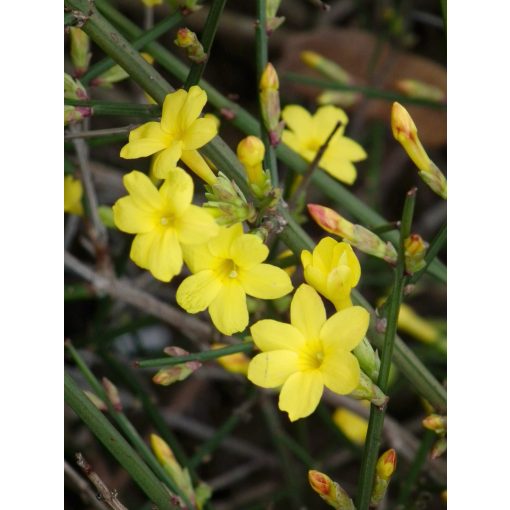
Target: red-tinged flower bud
pixel 80 50
pixel 112 393
pixel 269 78
pixel 358 236
pixel 188 40
pixel 435 422
pixel 415 250
pixel 320 482
pixel 330 491
pixel 387 464
pixel 96 401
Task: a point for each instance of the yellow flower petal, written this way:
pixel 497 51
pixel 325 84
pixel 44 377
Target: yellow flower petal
pixel 342 170
pixel 200 132
pixel 196 226
pixel 338 283
pixel 345 250
pixel 345 329
pixel 265 281
pixel 301 394
pixel 228 310
pixel 151 130
pixel 73 192
pixel 199 257
pixel 196 163
pixel 248 250
pixel 142 244
pixel 145 140
pixel 171 110
pixel 220 245
pixel 177 191
pixel 340 371
pixel 131 219
pixel 272 369
pixel 289 138
pixel 315 277
pixel 166 160
pixel 325 119
pixel 351 424
pixel 144 194
pixel 346 148
pixel 306 258
pixel 271 335
pixel 193 106
pixel 307 312
pixel 165 257
pixel 323 253
pixel 197 292
pixel 297 119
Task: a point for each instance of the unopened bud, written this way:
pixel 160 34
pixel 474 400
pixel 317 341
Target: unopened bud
pixel 188 40
pixel 405 132
pixel 227 202
pixel 170 375
pixel 80 50
pixel 368 390
pixel 368 359
pixel 112 393
pixel 435 422
pixel 415 249
pixel 214 118
pixel 385 467
pixel 351 424
pixel 236 363
pixel 186 6
pixel 356 235
pixel 270 103
pixel 273 21
pixel 342 98
pixel 96 401
pixel 330 491
pixel 439 448
pixel 250 152
pixel 420 90
pixel 73 89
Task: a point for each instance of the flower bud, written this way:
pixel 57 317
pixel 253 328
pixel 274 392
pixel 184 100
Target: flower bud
pixel 439 448
pixel 405 132
pixel 351 424
pixel 73 192
pixel 273 21
pixel 236 363
pixel 435 422
pixel 73 89
pixel 415 249
pixel 112 393
pixel 368 390
pixel 96 401
pixel 80 50
pixel 368 359
pixel 250 152
pixel 384 470
pixel 227 203
pixel 214 118
pixel 270 103
pixel 188 40
pixel 330 491
pixel 358 236
pixel 186 6
pixel 413 324
pixel 420 90
pixel 175 373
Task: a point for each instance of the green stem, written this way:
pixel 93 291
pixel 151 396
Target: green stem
pixel 197 356
pixel 429 438
pixel 211 25
pixel 116 444
pixel 261 60
pixel 110 108
pixel 376 421
pixel 138 44
pixel 435 247
pixel 249 125
pixel 368 92
pixel 127 427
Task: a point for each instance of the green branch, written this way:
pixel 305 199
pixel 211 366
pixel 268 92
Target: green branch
pixel 116 445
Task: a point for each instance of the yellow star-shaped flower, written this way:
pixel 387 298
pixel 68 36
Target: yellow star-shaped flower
pixel 163 221
pixel 177 136
pixel 227 269
pixel 309 353
pixel 307 133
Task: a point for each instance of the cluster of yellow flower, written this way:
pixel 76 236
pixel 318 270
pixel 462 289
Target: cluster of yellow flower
pixel 227 264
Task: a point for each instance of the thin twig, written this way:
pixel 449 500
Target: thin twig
pixel 106 495
pixel 94 133
pixel 87 495
pixel 192 327
pixel 307 176
pixel 71 227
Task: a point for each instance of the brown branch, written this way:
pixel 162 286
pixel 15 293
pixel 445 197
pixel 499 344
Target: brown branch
pixel 106 495
pixel 99 132
pixel 87 495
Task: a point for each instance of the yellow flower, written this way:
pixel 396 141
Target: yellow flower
pixel 177 136
pixel 162 220
pixel 309 353
pixel 226 269
pixel 73 192
pixel 351 424
pixel 333 270
pixel 236 363
pixel 308 133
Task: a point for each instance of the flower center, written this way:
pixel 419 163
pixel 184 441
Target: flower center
pixel 228 269
pixel 314 144
pixel 166 220
pixel 311 356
